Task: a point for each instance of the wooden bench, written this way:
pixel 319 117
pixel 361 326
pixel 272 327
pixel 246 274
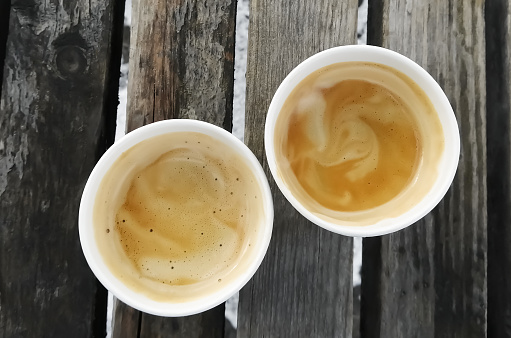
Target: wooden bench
pixel 449 275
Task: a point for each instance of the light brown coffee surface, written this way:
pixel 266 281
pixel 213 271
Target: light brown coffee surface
pixel 352 136
pixel 182 220
pixel 359 153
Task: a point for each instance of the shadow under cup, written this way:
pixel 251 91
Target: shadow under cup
pixel 161 207
pixel 337 139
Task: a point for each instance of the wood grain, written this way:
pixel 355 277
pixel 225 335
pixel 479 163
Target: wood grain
pixel 429 280
pixel 5 11
pixel 304 285
pixel 53 127
pixel 181 61
pixel 206 325
pixel 126 320
pixel 498 75
pixel 181 66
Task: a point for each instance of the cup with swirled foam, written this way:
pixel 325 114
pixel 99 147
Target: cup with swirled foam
pixel 176 217
pixel 361 140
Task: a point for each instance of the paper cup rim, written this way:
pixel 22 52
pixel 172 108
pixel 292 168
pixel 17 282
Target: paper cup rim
pixel 86 229
pixel 365 53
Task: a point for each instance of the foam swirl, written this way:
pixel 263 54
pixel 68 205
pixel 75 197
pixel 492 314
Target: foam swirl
pixel 351 144
pixel 183 219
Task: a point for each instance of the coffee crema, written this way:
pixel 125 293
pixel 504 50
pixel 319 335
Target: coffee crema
pixel 352 138
pixel 177 224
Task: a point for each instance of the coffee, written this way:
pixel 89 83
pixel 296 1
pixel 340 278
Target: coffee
pixel 176 216
pixel 352 138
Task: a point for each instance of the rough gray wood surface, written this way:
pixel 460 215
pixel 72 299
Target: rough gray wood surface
pixel 209 324
pixel 498 75
pixel 429 280
pixel 128 322
pixel 181 66
pixel 5 11
pixel 55 88
pixel 181 61
pixel 304 285
pixel 125 320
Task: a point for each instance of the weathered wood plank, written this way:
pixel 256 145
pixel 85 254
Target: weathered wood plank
pixel 181 61
pixel 304 285
pixel 125 320
pixel 53 128
pixel 431 278
pixel 181 66
pixel 205 325
pixel 498 103
pixel 5 10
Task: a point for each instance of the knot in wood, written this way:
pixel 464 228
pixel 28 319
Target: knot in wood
pixel 71 61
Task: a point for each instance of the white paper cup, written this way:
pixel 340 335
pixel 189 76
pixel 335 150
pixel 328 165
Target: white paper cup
pixel 448 161
pixel 97 263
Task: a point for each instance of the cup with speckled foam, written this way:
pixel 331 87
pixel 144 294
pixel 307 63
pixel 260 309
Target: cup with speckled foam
pixel 361 140
pixel 176 217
